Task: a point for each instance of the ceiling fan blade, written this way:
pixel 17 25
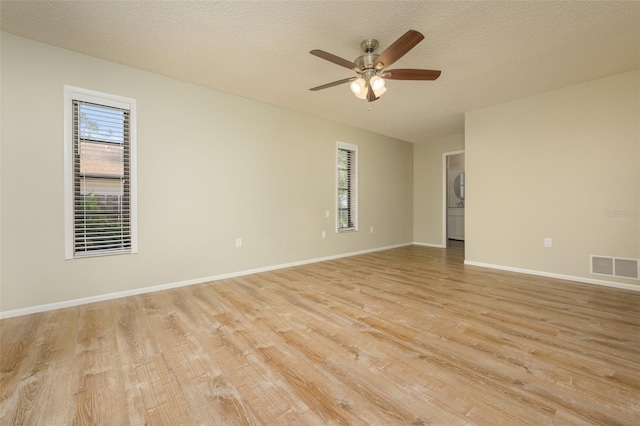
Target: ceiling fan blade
pixel 398 49
pixel 336 60
pixel 335 83
pixel 371 96
pixel 411 74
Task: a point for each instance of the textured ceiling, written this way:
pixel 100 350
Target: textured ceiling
pixel 489 52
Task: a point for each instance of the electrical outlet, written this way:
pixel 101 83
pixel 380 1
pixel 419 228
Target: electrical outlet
pixel 238 242
pixel 371 229
pixel 327 213
pixel 324 234
pixel 548 242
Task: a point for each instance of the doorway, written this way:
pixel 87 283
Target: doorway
pixel 454 194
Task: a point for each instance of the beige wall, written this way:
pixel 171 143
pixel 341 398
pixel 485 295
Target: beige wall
pixel 211 167
pixel 428 187
pixel 553 165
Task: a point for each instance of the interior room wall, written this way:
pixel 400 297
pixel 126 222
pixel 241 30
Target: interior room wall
pixel 428 187
pixel 212 167
pixel 556 166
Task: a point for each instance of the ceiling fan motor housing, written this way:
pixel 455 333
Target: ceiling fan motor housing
pixel 368 59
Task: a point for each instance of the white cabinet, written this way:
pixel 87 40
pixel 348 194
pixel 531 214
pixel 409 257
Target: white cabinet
pixel 455 223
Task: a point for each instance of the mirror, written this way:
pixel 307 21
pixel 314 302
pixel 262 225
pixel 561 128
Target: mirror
pixel 458 186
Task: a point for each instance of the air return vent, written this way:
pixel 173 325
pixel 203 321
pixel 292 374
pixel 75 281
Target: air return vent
pixel 615 266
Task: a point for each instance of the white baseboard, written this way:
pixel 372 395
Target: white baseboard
pixel 554 275
pixel 151 289
pixel 429 245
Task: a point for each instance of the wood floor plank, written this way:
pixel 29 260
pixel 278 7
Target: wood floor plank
pixel 403 336
pixel 99 393
pixel 134 345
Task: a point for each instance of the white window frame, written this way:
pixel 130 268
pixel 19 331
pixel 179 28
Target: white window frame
pixel 75 93
pixel 354 198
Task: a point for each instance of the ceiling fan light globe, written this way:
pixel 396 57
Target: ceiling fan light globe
pixel 363 94
pixel 380 91
pixel 377 83
pixel 357 86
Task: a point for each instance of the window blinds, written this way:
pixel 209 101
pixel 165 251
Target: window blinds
pixel 346 189
pixel 101 179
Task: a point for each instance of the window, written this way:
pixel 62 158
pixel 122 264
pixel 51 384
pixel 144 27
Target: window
pixel 100 175
pixel 347 180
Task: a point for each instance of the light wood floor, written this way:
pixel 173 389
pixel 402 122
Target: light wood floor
pixel 404 336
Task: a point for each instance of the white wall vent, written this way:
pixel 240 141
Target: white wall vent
pixel 615 266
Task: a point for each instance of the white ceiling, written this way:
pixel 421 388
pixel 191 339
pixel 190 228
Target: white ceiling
pixel 489 52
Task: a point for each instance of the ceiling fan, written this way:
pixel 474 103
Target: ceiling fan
pixel 370 67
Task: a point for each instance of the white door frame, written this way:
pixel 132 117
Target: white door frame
pixel 445 190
